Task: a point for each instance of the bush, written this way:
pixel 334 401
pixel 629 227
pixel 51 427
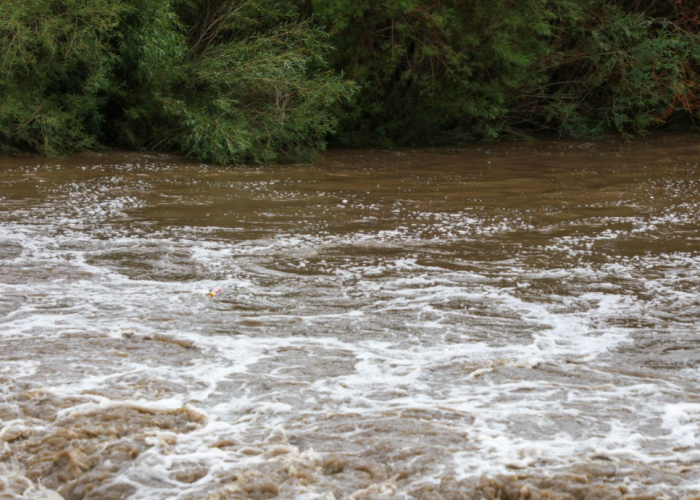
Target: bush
pixel 448 71
pixel 56 70
pixel 230 81
pixel 224 81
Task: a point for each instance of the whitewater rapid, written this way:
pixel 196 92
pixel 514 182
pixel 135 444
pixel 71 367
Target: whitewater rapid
pixel 451 323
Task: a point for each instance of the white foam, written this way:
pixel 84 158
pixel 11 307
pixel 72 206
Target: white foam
pixel 530 369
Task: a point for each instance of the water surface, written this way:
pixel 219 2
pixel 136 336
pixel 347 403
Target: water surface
pixel 503 321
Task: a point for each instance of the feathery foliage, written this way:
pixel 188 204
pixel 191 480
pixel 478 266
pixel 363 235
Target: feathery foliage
pixel 237 82
pixel 435 71
pixel 56 61
pixel 230 81
pixel 222 80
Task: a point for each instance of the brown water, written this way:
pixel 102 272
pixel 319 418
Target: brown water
pixel 507 321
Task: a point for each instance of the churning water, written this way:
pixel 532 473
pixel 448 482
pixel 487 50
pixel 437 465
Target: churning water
pixel 508 321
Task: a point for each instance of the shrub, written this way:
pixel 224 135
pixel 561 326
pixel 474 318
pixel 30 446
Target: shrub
pixel 230 81
pixel 435 71
pixel 222 80
pixel 56 68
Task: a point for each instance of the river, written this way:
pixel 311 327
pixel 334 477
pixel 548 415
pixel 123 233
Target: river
pixel 517 320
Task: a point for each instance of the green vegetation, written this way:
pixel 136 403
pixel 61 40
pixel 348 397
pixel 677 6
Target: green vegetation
pixel 230 81
pixel 223 81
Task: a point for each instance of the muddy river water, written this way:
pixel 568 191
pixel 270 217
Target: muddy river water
pixel 490 322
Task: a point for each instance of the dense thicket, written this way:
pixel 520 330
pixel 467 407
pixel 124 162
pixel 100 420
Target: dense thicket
pixel 224 81
pixel 263 80
pixel 446 71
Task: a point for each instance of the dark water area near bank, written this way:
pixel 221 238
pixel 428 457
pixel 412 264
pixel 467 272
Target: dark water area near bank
pixel 516 320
